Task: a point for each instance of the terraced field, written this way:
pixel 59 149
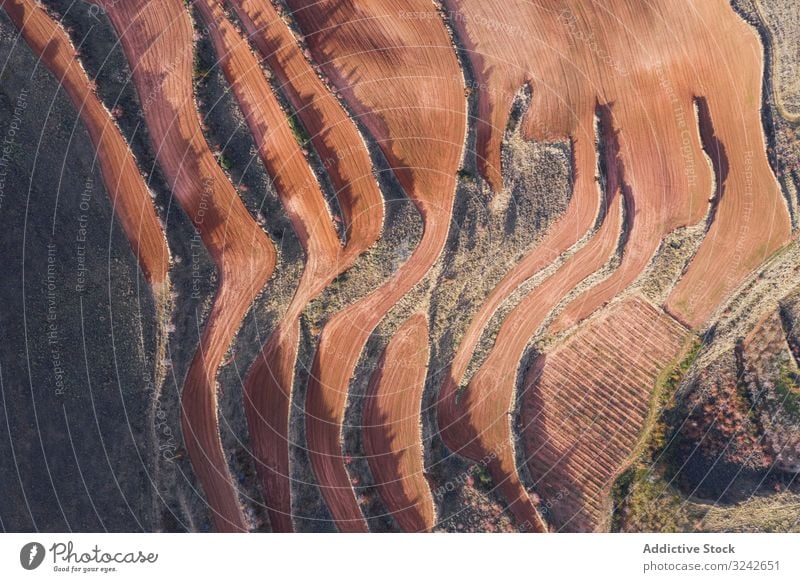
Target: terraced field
pixel 130 196
pixel 392 434
pixel 346 378
pixel 423 144
pixel 158 41
pixel 584 405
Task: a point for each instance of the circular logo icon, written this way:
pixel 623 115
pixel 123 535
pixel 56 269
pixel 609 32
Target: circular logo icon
pixel 31 555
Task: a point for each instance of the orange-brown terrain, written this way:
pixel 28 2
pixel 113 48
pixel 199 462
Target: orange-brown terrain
pixel 574 55
pixel 339 145
pixel 586 55
pixel 392 435
pixel 476 423
pixel 423 143
pixel 584 405
pixel 332 132
pixel 129 194
pixel 269 383
pixel 158 41
pixel 581 213
pixel 587 279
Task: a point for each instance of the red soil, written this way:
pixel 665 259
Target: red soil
pixel 157 39
pixel 584 405
pixel 392 432
pixel 476 424
pixel 124 183
pixel 573 53
pixel 333 134
pixel 393 63
pixel 292 177
pixel 420 126
pixel 579 217
pixel 339 145
pixel 751 222
pixel 269 384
